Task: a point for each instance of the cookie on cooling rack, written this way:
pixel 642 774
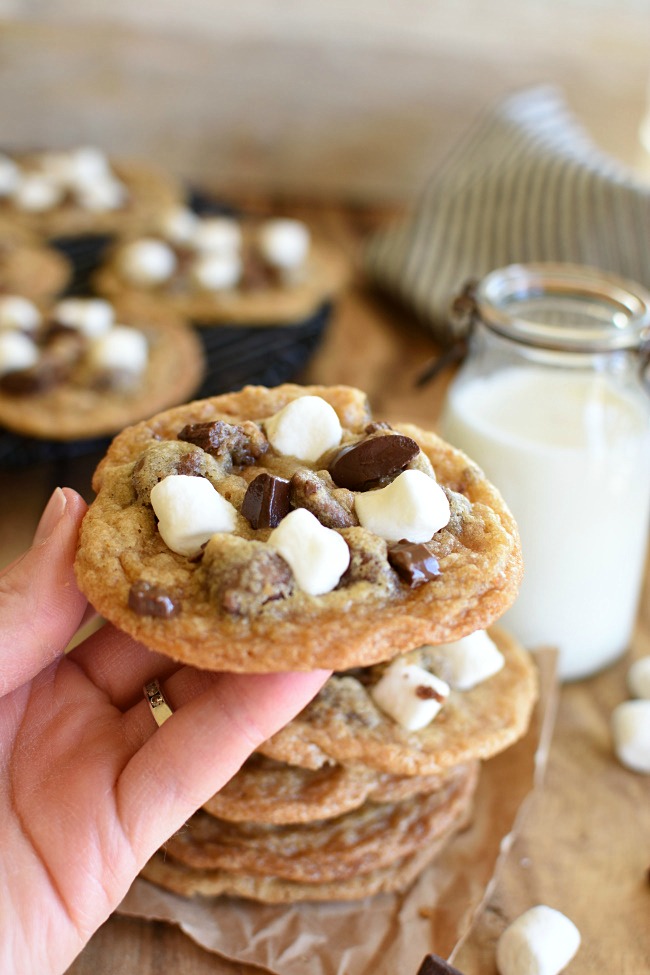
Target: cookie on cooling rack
pixel 226 269
pixel 77 191
pixel 82 367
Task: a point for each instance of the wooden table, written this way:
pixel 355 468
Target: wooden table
pixel 584 847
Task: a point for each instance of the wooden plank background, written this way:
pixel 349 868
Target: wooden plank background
pixel 348 98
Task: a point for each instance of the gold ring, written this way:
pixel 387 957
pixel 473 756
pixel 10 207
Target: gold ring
pixel 157 703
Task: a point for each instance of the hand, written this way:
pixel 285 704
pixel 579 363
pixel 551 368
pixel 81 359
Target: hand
pixel 90 787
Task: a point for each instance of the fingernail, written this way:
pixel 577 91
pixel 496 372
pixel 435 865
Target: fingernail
pixel 51 516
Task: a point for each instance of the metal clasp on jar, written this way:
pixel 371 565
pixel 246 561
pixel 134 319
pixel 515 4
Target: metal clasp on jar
pixel 462 317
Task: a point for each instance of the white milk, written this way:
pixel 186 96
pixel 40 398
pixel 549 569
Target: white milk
pixel 571 455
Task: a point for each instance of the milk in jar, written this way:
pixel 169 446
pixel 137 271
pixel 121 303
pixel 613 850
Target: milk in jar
pixel 564 434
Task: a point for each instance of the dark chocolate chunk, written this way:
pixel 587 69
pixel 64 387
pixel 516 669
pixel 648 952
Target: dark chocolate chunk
pixel 426 693
pixel 244 443
pixel 35 379
pixel 434 965
pixel 190 464
pixel 266 501
pixel 145 599
pixel 358 465
pixel 309 491
pixel 414 562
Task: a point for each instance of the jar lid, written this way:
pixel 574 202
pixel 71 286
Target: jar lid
pixel 567 307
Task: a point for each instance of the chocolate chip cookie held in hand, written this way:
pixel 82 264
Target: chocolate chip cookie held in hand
pixel 291 530
pixel 92 781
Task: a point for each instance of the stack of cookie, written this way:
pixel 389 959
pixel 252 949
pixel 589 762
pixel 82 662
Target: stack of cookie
pixel 372 803
pixel 333 541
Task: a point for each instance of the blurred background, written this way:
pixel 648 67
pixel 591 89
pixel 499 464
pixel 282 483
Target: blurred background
pixel 356 99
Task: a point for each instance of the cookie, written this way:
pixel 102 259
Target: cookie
pixel 178 878
pixel 372 836
pixel 181 879
pixel 30 268
pixel 266 791
pixel 82 191
pixel 71 381
pixel 232 601
pixel 343 724
pixel 230 279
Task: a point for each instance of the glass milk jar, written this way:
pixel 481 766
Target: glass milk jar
pixel 550 402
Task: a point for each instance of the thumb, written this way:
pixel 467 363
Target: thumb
pixel 40 604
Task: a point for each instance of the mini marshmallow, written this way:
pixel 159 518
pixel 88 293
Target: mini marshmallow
pixel 147 261
pixel 284 243
pixel 179 224
pixel 19 313
pixel 215 271
pixel 9 175
pixel 91 316
pixel 316 555
pixel 466 662
pixel 304 428
pixel 631 734
pixel 412 507
pixel 55 165
pixel 121 348
pixel 102 195
pixel 88 165
pixel 190 511
pixel 409 694
pixel 638 678
pixel 542 941
pixel 221 234
pixel 17 351
pixel 37 192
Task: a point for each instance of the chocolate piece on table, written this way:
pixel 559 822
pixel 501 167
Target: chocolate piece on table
pixel 433 965
pixel 266 501
pixel 413 562
pixel 145 599
pixel 358 465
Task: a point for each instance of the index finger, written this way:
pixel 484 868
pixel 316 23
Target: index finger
pixel 40 604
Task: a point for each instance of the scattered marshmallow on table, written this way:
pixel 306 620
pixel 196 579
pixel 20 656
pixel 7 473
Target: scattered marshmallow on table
pixel 466 662
pixel 638 678
pixel 412 507
pixel 147 261
pixel 91 316
pixel 190 511
pixel 409 694
pixel 631 734
pixel 18 312
pixel 304 428
pixel 542 941
pixel 317 556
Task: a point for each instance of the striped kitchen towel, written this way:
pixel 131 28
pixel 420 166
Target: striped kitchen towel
pixel 526 183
